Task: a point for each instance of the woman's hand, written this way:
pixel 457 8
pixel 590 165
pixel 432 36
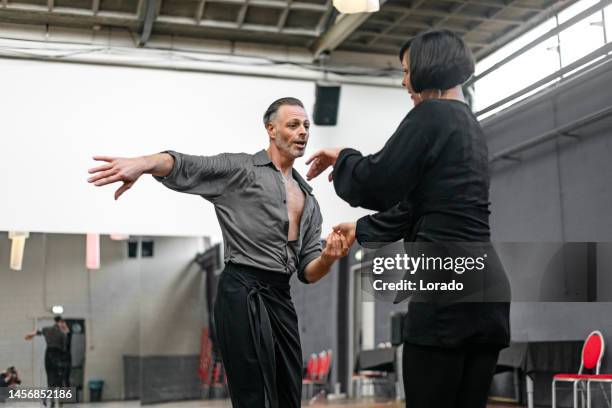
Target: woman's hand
pixel 348 230
pixel 321 160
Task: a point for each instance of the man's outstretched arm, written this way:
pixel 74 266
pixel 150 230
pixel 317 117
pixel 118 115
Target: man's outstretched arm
pixel 128 170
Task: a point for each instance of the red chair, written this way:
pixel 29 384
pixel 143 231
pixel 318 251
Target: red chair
pixel 312 368
pixel 325 360
pixel 324 366
pixel 599 378
pixel 592 352
pixel 312 371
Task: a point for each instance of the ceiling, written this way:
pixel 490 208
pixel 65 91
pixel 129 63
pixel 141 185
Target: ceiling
pixel 312 24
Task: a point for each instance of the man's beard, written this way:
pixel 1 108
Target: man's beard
pixel 288 147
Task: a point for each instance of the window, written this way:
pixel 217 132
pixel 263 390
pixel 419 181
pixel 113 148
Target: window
pixel 543 59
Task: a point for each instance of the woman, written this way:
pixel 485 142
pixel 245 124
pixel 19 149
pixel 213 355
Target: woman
pixel 430 184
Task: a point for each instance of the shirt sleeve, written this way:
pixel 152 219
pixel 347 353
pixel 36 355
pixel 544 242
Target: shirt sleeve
pixel 379 181
pixel 311 244
pixel 385 226
pixel 207 176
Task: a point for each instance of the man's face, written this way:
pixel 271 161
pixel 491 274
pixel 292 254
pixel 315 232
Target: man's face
pixel 289 130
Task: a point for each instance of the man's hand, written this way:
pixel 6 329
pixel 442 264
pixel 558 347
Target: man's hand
pixel 348 231
pixel 29 336
pixel 335 247
pixel 117 169
pixel 321 160
pixel 128 170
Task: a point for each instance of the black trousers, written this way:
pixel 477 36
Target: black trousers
pixel 56 367
pixel 448 378
pixel 257 333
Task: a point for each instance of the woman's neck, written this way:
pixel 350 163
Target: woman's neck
pixel 455 93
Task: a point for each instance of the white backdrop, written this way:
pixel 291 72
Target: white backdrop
pixel 56 116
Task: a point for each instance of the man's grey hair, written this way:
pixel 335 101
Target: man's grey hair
pixel 270 114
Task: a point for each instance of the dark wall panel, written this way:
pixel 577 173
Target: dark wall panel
pixel 558 191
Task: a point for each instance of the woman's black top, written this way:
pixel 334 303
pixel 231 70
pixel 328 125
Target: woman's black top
pixel 429 183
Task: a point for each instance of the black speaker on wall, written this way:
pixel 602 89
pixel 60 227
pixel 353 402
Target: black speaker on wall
pixel 326 105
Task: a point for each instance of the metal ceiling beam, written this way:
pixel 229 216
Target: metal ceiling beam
pixel 38 14
pixel 343 27
pixel 453 13
pixel 498 12
pixel 200 11
pixel 425 26
pixel 405 13
pixel 232 25
pixel 442 14
pixel 361 47
pixel 405 38
pixel 282 19
pixel 150 12
pixel 420 25
pixel 409 23
pixel 242 14
pixel 502 5
pixel 277 4
pixel 325 17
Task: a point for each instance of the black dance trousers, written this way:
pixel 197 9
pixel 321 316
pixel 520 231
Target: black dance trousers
pixel 257 332
pixel 448 377
pixel 56 367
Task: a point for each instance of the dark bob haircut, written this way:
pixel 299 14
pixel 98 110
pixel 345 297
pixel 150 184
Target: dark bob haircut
pixel 439 59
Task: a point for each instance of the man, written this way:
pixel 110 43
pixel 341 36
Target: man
pixel 271 226
pixel 9 378
pixel 57 359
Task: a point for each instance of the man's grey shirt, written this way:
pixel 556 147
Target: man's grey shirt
pixel 250 201
pixel 54 337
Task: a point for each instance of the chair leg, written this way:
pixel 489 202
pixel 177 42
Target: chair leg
pixel 605 395
pixel 554 394
pixel 575 394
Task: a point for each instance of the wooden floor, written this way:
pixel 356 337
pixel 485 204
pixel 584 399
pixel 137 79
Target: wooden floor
pixel 390 404
pixel 226 404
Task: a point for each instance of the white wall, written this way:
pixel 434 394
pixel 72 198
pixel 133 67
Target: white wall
pixel 57 115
